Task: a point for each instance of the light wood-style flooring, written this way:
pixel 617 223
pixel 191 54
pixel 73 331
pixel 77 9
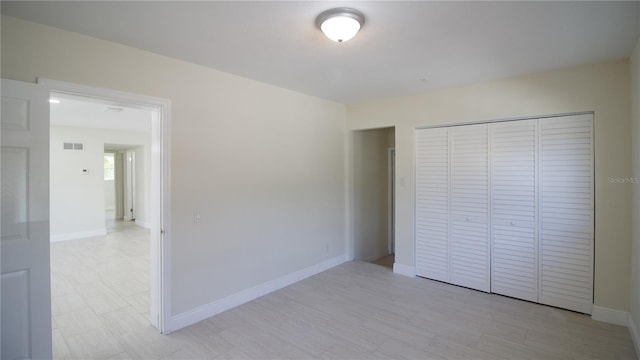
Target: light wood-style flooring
pixel 354 311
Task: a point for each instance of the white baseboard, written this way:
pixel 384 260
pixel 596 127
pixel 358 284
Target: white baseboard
pixel 611 316
pixel 206 311
pixel 78 235
pixel 635 336
pixel 404 270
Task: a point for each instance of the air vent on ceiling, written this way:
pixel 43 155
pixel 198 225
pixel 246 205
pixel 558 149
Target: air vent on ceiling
pixel 73 146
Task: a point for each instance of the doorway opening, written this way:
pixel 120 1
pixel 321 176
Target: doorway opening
pixel 110 193
pixel 373 173
pixel 101 269
pixel 126 184
pixel 144 209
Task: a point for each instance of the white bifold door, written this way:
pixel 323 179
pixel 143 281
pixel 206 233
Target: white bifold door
pixel 566 236
pixel 452 209
pixel 432 204
pixel 469 216
pixel 514 251
pixel 507 207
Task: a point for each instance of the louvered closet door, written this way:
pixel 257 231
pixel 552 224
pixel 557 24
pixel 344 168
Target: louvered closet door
pixel 566 212
pixel 432 203
pixel 514 259
pixel 469 232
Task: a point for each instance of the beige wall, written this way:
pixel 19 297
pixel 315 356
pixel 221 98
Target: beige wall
pixel 635 138
pixel 370 150
pixel 264 165
pixel 602 88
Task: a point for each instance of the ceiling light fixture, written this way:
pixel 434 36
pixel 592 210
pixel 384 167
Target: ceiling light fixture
pixel 340 24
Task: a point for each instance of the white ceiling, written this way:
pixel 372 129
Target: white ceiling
pixel 80 112
pixel 405 47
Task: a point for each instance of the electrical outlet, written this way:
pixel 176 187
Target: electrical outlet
pixel 196 217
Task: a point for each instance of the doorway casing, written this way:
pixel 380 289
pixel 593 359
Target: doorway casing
pixel 160 312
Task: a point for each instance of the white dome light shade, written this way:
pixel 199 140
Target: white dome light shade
pixel 340 28
pixel 340 24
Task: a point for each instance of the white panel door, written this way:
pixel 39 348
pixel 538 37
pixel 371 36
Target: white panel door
pixel 566 212
pixel 469 216
pixel 26 294
pixel 432 203
pixel 514 250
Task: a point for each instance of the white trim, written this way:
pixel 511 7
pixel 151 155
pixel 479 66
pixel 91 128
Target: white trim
pixel 611 316
pixel 160 312
pixel 404 269
pixel 164 220
pixel 635 335
pixel 349 244
pixel 78 235
pixel 391 159
pixel 206 311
